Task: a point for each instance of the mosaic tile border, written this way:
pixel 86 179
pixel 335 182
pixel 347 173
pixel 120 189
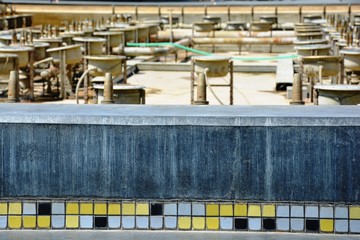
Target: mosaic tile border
pixel 180 215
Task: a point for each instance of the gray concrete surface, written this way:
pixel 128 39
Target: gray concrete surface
pixel 168 235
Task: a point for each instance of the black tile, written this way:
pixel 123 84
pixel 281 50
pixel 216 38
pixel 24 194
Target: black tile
pixel 156 209
pixel 44 208
pixel 241 223
pixel 269 224
pixel 101 222
pixel 312 225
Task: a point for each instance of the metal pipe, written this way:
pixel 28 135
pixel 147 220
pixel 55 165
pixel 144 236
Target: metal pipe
pixel 164 36
pixel 244 40
pixel 13 87
pixel 157 51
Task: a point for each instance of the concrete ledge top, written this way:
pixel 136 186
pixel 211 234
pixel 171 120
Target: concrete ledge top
pixel 152 115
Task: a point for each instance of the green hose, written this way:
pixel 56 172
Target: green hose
pixel 166 44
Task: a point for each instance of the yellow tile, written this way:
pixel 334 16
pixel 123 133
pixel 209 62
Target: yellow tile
pixel 198 223
pixel 240 210
pixel 226 210
pixel 15 208
pixel 184 223
pixel 326 225
pixel 114 209
pixel 212 223
pixel 72 208
pixel 128 208
pixel 43 221
pixel 3 208
pixel 100 209
pixel 142 209
pixel 212 209
pixel 72 221
pixel 354 212
pixel 254 210
pixel 14 222
pixel 29 221
pixel 86 208
pixel 268 210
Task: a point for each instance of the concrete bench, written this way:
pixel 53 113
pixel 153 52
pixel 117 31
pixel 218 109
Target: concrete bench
pixel 284 73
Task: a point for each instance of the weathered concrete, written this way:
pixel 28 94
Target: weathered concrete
pixel 181 152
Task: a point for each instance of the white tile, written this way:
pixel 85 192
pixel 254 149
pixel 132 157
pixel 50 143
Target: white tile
pixel 311 211
pixel 29 208
pixel 226 223
pixel 297 211
pixel 142 222
pixel 58 208
pixel 170 209
pixel 58 221
pixel 3 222
pixel 341 212
pixel 128 222
pixel 156 222
pixel 283 224
pixel 254 224
pixel 86 222
pixel 198 209
pixel 327 212
pixel 114 221
pixel 297 224
pixel 341 225
pixel 184 209
pixel 283 211
pixel 354 226
pixel 170 222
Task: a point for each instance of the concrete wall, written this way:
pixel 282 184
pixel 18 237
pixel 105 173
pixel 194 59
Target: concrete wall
pixel 180 152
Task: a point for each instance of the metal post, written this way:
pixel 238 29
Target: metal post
pixel 297 91
pixel 108 89
pixel 229 13
pixel 13 87
pixel 231 82
pixel 31 73
pixel 201 90
pixel 62 73
pixel 192 82
pixel 125 72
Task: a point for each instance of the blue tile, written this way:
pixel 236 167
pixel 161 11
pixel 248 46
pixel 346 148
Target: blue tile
pixel 297 211
pixel 114 221
pixel 3 222
pixel 58 208
pixel 170 222
pixel 226 223
pixel 297 224
pixel 354 226
pixel 170 209
pixel 58 221
pixel 156 222
pixel 311 211
pixel 198 209
pixel 327 212
pixel 341 225
pixel 254 224
pixel 86 222
pixel 283 224
pixel 283 211
pixel 128 222
pixel 184 209
pixel 341 212
pixel 29 208
pixel 142 222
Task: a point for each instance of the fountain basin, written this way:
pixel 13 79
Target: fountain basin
pixel 260 26
pixel 351 58
pixel 309 35
pixel 105 63
pixel 338 94
pixel 313 50
pixel 330 64
pixel 218 66
pixel 235 26
pixel 114 38
pixel 21 51
pixel 92 45
pixel 123 94
pixel 7 63
pixel 203 26
pixel 129 33
pixel 72 53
